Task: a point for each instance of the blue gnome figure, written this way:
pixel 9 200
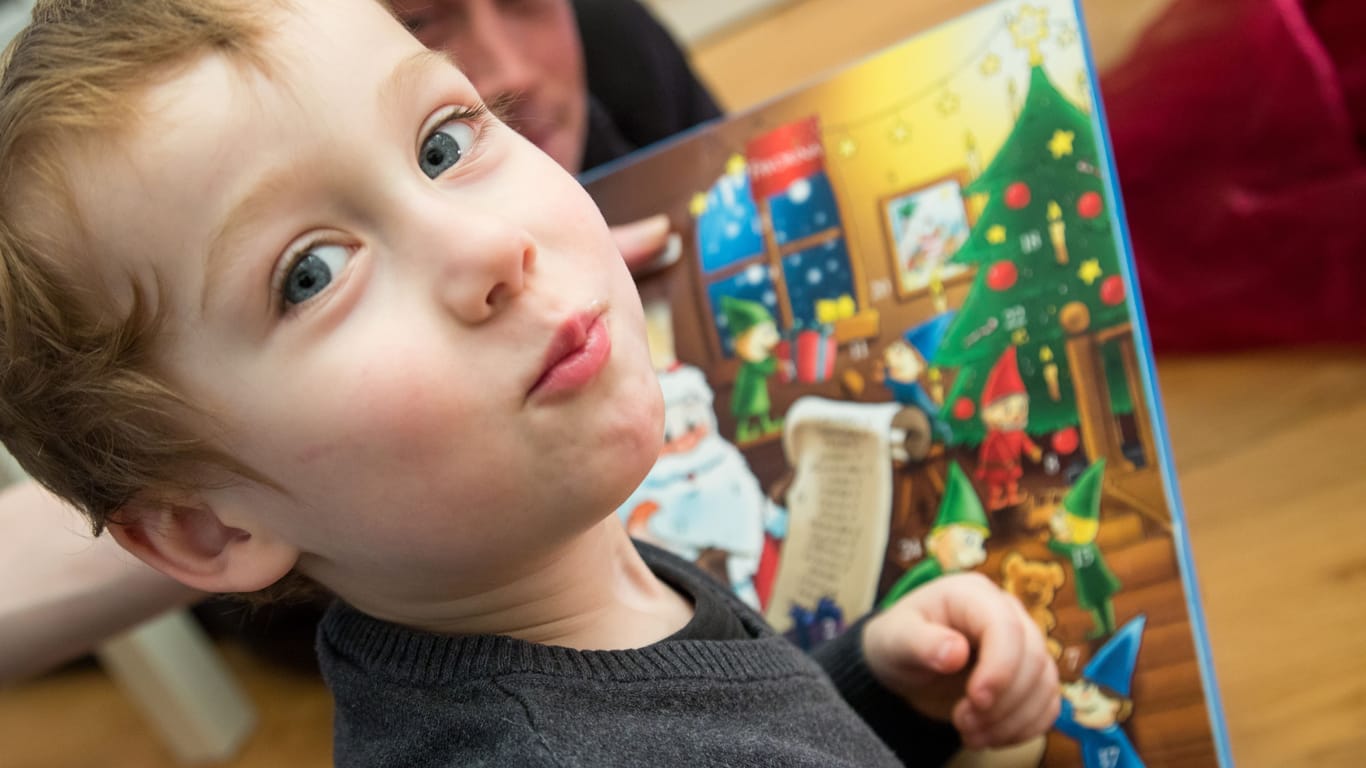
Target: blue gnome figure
pixel 906 365
pixel 1094 707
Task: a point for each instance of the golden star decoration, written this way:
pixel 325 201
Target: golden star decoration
pixel 1090 271
pixel 735 165
pixel 978 203
pixel 698 205
pixel 1030 28
pixel 991 65
pixel 1061 144
pixel 996 235
pixel 846 147
pixel 948 103
pixel 1020 336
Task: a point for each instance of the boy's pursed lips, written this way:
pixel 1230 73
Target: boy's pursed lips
pixel 575 354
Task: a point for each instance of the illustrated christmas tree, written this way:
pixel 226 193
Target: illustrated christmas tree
pixel 1043 247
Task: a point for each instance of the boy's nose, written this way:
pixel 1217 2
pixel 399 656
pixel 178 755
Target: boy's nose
pixel 480 262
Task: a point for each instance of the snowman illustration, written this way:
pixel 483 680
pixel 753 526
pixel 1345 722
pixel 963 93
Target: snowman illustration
pixel 700 500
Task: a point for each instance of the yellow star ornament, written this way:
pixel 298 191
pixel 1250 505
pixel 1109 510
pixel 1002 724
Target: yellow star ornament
pixel 735 165
pixel 1090 271
pixel 1061 144
pixel 698 205
pixel 996 235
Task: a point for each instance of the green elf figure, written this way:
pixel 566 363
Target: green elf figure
pixel 754 335
pixel 1075 525
pixel 956 542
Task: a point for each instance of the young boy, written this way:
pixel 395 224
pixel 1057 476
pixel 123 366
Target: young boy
pixel 282 300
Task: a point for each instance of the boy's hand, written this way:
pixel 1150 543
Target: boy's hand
pixel 961 649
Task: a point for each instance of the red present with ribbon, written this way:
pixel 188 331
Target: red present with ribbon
pixel 786 368
pixel 811 356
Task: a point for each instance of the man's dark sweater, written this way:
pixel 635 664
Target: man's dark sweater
pixel 406 698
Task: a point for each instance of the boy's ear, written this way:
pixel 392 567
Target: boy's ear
pixel 187 541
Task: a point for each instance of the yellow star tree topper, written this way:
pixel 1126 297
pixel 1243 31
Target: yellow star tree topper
pixel 1030 28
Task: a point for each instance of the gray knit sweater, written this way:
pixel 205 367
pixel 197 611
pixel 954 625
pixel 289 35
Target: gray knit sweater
pixel 406 698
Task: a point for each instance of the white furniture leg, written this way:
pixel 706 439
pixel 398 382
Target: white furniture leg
pixel 171 671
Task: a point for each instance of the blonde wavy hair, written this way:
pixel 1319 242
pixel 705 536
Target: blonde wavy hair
pixel 82 407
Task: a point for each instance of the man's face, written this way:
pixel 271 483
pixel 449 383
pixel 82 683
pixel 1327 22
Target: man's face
pixel 527 49
pixel 397 311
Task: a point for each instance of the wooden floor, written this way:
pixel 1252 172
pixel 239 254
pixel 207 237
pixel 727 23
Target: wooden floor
pixel 1268 446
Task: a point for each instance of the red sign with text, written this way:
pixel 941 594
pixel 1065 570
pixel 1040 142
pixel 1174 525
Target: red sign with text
pixel 783 155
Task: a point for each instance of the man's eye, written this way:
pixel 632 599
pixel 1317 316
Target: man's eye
pixel 445 147
pixel 312 272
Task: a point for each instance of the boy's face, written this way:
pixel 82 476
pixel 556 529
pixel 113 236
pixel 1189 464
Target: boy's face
pixel 406 317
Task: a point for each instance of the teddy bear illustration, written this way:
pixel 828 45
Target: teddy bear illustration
pixel 1035 583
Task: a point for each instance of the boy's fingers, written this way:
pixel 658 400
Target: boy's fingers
pixel 1033 715
pixel 1033 664
pixel 1001 643
pixel 914 649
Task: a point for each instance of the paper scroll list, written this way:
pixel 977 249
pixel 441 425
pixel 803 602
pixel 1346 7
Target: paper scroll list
pixel 839 506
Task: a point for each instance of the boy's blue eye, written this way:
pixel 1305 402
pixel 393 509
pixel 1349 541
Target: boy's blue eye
pixel 445 147
pixel 312 272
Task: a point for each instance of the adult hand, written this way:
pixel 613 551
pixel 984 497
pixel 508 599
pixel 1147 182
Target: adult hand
pixel 646 244
pixel 961 649
pixel 66 593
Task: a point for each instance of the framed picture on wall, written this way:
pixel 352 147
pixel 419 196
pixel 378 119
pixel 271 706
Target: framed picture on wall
pixel 925 226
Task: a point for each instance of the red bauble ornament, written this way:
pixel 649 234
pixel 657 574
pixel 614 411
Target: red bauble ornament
pixel 1112 290
pixel 963 409
pixel 1002 275
pixel 1089 205
pixel 1065 440
pixel 1017 195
